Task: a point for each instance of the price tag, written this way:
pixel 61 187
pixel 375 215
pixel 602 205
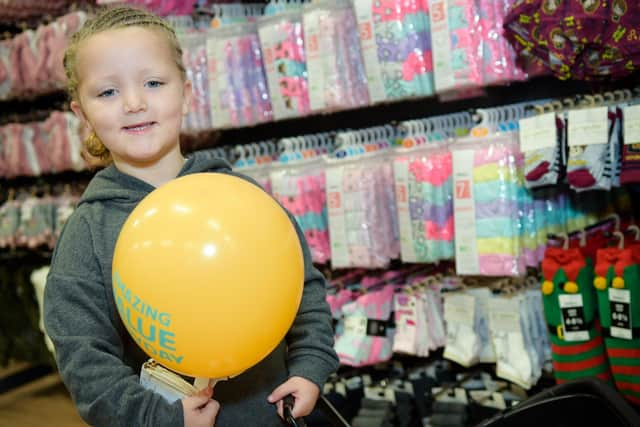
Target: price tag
pixel 441 45
pixel 337 220
pixel 369 48
pixel 620 306
pixel 355 325
pixel 632 125
pixel 504 315
pixel 464 218
pixel 460 308
pixel 588 127
pixel 573 323
pixel 401 174
pixel 315 69
pixel 538 132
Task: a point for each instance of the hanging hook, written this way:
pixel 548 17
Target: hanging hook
pixel 636 231
pixel 616 218
pixel 620 237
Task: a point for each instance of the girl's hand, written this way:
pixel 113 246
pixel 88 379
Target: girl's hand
pixel 303 391
pixel 200 410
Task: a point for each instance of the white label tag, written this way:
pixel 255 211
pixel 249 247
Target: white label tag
pixel 573 322
pixel 315 69
pixel 364 14
pixel 632 125
pixel 218 83
pixel 401 176
pixel 337 220
pixel 464 213
pixel 589 126
pixel 620 307
pixel 284 185
pixel 504 315
pixel 460 308
pixel 538 132
pixel 26 210
pixel 355 325
pixel 441 45
pixel 213 70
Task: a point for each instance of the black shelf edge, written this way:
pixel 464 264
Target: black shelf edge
pixel 409 109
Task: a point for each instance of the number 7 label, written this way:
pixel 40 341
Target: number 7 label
pixel 463 189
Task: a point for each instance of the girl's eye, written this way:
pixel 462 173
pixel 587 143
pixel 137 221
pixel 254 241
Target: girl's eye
pixel 154 83
pixel 107 93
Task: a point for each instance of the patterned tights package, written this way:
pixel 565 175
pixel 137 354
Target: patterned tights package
pixel 300 189
pixel 238 90
pixel 337 78
pixel 282 41
pixel 488 192
pixel 396 44
pixel 361 204
pixel 424 190
pixel 194 56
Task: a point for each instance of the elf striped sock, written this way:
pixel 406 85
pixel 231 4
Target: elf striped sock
pixel 569 300
pixel 618 284
pixel 572 361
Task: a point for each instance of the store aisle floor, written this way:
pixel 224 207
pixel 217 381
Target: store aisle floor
pixel 44 402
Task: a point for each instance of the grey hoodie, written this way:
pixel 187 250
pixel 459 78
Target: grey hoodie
pixel 100 363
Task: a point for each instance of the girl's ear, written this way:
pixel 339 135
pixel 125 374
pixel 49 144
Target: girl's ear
pixel 77 110
pixel 186 98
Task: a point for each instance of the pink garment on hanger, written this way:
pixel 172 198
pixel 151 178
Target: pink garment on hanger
pixel 40 145
pixel 15 156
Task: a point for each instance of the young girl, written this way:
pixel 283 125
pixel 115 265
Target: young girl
pixel 127 84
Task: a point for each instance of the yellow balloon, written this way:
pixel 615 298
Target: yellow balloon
pixel 208 274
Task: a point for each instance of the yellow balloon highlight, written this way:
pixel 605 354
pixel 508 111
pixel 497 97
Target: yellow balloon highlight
pixel 208 275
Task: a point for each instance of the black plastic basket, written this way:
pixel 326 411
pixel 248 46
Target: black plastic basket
pixel 583 402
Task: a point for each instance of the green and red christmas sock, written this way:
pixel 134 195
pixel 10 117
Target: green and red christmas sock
pixel 569 299
pixel 618 287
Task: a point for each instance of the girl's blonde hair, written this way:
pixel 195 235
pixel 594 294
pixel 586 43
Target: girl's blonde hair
pixel 111 19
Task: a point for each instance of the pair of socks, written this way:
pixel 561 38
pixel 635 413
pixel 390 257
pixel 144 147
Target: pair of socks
pixel 593 167
pixel 374 413
pixel 630 168
pixel 463 344
pixel 617 283
pixel 544 166
pixel 567 274
pixel 368 336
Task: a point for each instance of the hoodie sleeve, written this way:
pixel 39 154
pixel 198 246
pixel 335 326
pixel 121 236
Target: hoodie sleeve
pixel 310 339
pixel 89 350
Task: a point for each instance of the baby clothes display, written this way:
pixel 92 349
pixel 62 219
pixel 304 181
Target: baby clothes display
pixel 31 62
pixel 424 198
pixel 396 45
pixel 335 68
pixel 302 191
pixel 488 193
pixel 282 41
pixel 33 149
pixel 238 91
pixel 361 209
